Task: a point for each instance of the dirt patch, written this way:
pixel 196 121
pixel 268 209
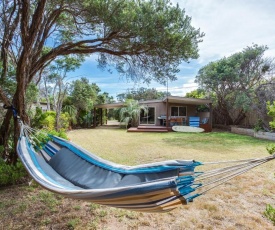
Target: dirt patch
pixel 238 204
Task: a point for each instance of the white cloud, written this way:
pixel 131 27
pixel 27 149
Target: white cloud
pixel 231 25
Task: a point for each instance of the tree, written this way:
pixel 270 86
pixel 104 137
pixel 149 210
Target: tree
pixel 141 39
pixel 142 94
pixel 232 82
pixel 264 94
pixel 60 69
pixel 200 94
pixel 130 113
pixel 83 96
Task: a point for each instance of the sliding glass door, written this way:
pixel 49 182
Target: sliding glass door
pixel 149 117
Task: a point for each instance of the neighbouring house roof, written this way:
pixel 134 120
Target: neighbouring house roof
pixel 171 99
pixel 110 106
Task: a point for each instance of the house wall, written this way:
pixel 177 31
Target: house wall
pixel 160 110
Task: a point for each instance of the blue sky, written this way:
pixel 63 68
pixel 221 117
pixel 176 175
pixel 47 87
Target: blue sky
pixel 229 26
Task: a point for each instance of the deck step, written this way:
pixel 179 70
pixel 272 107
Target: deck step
pixel 143 128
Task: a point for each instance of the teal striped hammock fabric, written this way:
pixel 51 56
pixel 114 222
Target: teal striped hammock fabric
pixel 65 168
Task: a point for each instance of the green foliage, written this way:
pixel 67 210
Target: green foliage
pixel 1 149
pixel 43 136
pixel 271 149
pixel 130 113
pixel 65 121
pixel 73 223
pixel 200 94
pixel 11 173
pixel 271 113
pixel 35 122
pixel 156 34
pixel 142 94
pixel 264 93
pixel 83 95
pixel 31 94
pixel 258 126
pixel 47 120
pixel 270 213
pixel 87 119
pixel 61 134
pixel 231 81
pixel 49 199
pixel 72 111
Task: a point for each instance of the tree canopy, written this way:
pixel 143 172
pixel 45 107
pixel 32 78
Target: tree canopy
pixel 142 94
pixel 232 81
pixel 142 39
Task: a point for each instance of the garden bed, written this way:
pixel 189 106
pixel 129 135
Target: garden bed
pixel 250 132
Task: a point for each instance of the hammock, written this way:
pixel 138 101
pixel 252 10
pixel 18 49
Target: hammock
pixel 65 168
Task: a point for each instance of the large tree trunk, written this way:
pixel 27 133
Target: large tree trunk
pixel 241 116
pixel 4 133
pixel 222 115
pixel 18 103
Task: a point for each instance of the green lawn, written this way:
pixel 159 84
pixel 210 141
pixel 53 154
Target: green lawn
pixel 135 148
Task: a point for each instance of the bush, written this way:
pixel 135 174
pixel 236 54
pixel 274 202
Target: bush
pixel 11 174
pixel 36 120
pixel 270 213
pixel 271 113
pixel 65 121
pixel 271 149
pixel 259 126
pixel 61 134
pixel 47 120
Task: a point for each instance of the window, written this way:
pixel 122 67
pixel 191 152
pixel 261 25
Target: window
pixel 178 111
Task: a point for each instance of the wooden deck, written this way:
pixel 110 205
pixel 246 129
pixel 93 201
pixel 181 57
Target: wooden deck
pixel 148 128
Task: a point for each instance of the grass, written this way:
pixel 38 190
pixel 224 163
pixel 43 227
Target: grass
pixel 238 204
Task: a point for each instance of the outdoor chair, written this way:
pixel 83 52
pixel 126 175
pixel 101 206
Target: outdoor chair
pixel 173 121
pixel 179 121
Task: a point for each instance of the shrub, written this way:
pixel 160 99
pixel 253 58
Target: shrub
pixel 270 149
pixel 65 121
pixel 11 174
pixel 35 122
pixel 259 125
pixel 47 120
pixel 270 213
pixel 61 134
pixel 271 113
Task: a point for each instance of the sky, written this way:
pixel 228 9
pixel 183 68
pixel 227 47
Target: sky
pixel 229 27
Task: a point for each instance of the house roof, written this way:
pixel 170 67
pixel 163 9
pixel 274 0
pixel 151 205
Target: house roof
pixel 171 99
pixel 186 100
